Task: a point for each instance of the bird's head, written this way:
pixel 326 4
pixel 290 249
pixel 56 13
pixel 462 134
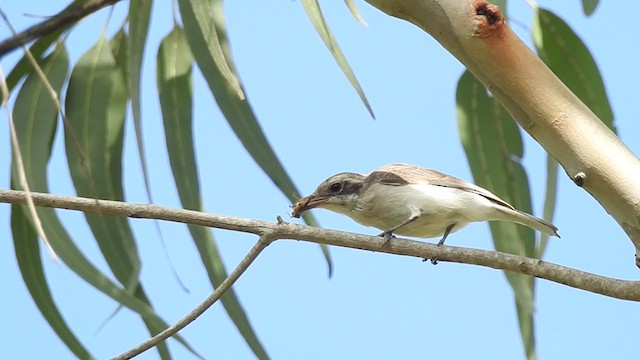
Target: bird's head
pixel 338 193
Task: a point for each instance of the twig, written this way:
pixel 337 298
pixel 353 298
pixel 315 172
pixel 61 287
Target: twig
pixel 616 288
pixel 71 14
pixel 262 243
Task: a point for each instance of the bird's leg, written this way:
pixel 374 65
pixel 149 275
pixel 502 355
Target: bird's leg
pixel 387 235
pixel 434 261
pixel 446 233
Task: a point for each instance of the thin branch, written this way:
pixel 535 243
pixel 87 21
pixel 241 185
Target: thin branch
pixel 616 288
pixel 264 241
pixel 70 15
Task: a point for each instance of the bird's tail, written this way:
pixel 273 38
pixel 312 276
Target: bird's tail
pixel 525 219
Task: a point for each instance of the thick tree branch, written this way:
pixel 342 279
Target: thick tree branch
pixel 621 289
pixel 70 15
pixel 476 33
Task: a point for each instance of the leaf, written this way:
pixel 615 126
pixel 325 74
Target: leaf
pixel 175 89
pixel 23 67
pixel 95 107
pixel 196 17
pixel 354 11
pixel 312 7
pixel 589 6
pixel 567 56
pixel 33 98
pixel 236 109
pixel 550 197
pixel 139 13
pixel 120 49
pixel 27 250
pixel 494 149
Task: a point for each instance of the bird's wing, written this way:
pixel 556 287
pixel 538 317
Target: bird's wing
pixel 403 174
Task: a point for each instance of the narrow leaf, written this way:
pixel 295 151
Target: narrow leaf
pixel 27 249
pixel 354 11
pixel 23 66
pixel 120 48
pixel 205 43
pixel 95 107
pixel 550 197
pixel 589 6
pixel 139 14
pixel 312 7
pixel 494 150
pixel 568 57
pixel 236 110
pixel 175 88
pixel 33 98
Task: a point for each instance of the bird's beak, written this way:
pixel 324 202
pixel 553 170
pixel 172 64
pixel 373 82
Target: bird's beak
pixel 307 203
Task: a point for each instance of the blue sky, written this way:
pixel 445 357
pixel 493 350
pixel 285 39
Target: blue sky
pixel 376 306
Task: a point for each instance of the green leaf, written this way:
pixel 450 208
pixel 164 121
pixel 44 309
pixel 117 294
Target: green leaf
pixel 175 89
pixel 236 109
pixel 139 13
pixel 33 99
pixel 494 149
pixel 589 6
pixel 204 40
pixel 120 49
pixel 27 249
pixel 95 107
pixel 568 57
pixel 23 67
pixel 312 7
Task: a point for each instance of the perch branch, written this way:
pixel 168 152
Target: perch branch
pixel 616 288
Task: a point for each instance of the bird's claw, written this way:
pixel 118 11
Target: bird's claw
pixel 387 235
pixel 435 259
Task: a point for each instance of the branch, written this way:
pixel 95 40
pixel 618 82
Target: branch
pixel 616 288
pixel 69 15
pixel 264 241
pixel 476 33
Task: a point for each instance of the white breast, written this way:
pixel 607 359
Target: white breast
pixel 386 206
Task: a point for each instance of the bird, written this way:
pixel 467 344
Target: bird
pixel 410 200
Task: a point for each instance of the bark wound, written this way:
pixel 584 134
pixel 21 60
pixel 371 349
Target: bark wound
pixel 580 178
pixel 490 21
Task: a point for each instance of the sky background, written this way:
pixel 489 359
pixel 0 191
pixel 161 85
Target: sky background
pixel 376 306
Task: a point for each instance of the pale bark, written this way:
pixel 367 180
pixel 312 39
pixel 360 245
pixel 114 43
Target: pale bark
pixel 592 156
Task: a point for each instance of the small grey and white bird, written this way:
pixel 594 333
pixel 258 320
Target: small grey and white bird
pixel 412 201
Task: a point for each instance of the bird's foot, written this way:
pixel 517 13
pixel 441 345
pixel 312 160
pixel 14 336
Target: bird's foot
pixel 435 260
pixel 387 235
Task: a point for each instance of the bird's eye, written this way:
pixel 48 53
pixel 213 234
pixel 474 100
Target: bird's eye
pixel 336 187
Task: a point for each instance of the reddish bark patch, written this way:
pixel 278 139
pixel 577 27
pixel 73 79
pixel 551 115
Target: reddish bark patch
pixel 490 21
